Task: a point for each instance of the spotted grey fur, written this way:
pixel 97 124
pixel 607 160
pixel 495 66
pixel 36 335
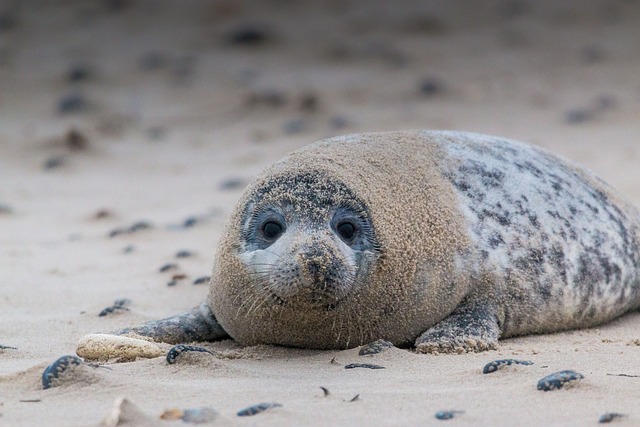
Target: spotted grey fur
pixel 533 215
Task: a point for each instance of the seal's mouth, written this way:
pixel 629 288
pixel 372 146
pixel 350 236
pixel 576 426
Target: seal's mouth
pixel 309 300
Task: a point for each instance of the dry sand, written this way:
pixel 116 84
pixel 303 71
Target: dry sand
pixel 172 118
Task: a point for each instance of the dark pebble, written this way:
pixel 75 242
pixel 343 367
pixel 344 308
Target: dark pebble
pixel 578 115
pixel 58 367
pixel 325 391
pixel 7 347
pixel 116 5
pixel 430 87
pixel 184 254
pixel 102 214
pixel 338 122
pixel 76 141
pixel 5 209
pixel 190 222
pixel 513 9
pixel 8 20
pixel 199 415
pixel 557 380
pixel 256 409
pixel 447 415
pixel 293 126
pixel 605 102
pixel 172 283
pixel 78 73
pixel 610 416
pixel 363 365
pixel 499 364
pixel 202 280
pixel 156 133
pixel 592 54
pixel 177 350
pixel 54 162
pixel 73 103
pixel 178 276
pixel 138 226
pixel 168 267
pixel 233 184
pixel 375 347
pixel 309 102
pixel 153 61
pixel 118 305
pixel 270 98
pixel 248 35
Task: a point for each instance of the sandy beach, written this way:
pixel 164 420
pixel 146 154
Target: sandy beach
pixel 129 128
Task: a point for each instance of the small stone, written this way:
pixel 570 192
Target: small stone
pixel 8 20
pixel 192 415
pixel 76 141
pixel 363 365
pixel 430 87
pixel 233 184
pixel 126 413
pixel 499 364
pixel 309 102
pixel 248 35
pixel 184 254
pixel 57 368
pixel 156 133
pixel 118 306
pixel 202 280
pixel 256 409
pixel 578 115
pixel 54 162
pixel 269 97
pixel 293 126
pixel 168 267
pixel 338 122
pixel 153 61
pixel 375 347
pixel 610 416
pixel 447 415
pixel 78 73
pixel 592 54
pixel 73 103
pixel 190 222
pixel 5 209
pixel 177 350
pixel 558 380
pixel 106 347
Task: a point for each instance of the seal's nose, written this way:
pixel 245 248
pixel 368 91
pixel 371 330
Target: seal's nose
pixel 316 259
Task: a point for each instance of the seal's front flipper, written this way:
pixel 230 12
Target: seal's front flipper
pixel 197 324
pixel 470 328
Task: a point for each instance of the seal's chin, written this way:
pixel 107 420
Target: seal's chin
pixel 309 299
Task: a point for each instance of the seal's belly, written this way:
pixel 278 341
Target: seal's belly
pixel 561 246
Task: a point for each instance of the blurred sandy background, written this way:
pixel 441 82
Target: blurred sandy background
pixel 122 112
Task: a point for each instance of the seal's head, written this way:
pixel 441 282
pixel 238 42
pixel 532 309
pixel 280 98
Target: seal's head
pixel 337 244
pixel 306 241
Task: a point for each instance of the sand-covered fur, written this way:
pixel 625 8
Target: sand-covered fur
pixel 503 238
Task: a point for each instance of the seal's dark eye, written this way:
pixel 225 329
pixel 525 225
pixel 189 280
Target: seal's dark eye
pixel 271 230
pixel 346 230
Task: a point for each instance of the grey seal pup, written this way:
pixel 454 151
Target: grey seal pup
pixel 443 240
